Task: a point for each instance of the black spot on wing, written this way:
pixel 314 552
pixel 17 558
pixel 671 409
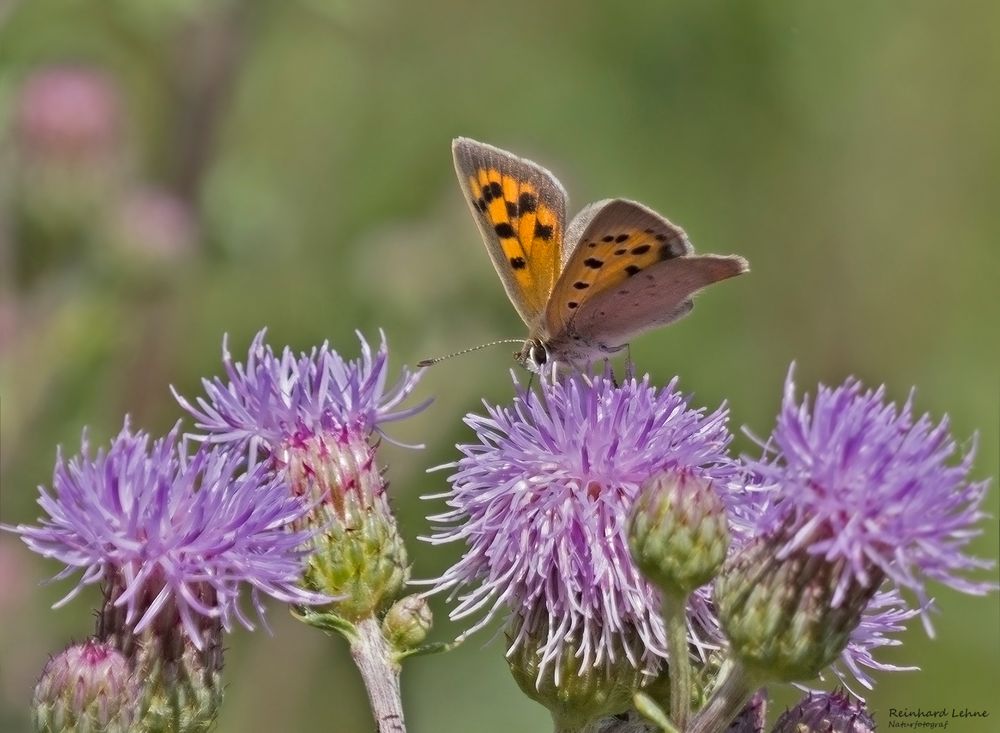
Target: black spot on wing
pixel 632 270
pixel 621 238
pixel 496 189
pixel 518 263
pixel 593 263
pixel 580 285
pixel 641 249
pixel 504 230
pixel 527 202
pixel 668 252
pixel 511 209
pixel 543 231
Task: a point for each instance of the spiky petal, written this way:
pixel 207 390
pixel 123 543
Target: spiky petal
pixel 274 399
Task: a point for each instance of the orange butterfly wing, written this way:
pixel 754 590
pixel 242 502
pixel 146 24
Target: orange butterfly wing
pixel 520 209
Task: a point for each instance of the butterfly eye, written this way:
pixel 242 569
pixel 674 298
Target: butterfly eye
pixel 538 354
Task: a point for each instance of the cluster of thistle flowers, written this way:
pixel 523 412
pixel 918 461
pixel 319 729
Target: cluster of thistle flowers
pixel 648 580
pixel 643 570
pixel 278 495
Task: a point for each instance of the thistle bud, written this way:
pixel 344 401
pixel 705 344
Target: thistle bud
pixel 180 665
pixel 779 614
pixel 86 687
pixel 575 690
pixel 407 622
pixel 826 713
pixel 357 554
pixel 678 533
pixel 183 691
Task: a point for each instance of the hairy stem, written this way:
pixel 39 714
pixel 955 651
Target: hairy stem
pixel 380 671
pixel 727 700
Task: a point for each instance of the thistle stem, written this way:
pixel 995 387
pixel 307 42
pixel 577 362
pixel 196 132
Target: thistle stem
pixel 379 669
pixel 675 623
pixel 729 698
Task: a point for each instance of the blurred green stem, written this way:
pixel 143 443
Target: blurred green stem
pixel 379 669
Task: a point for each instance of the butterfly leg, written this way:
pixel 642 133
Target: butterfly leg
pixel 609 369
pixel 629 364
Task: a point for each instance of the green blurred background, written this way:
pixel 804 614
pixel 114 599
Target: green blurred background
pixel 172 170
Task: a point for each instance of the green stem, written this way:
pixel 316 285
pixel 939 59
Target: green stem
pixel 675 623
pixel 730 696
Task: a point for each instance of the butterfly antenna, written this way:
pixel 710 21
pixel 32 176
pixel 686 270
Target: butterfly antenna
pixel 431 362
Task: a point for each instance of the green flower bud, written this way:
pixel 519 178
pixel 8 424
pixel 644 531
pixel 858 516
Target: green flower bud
pixel 88 688
pixel 778 614
pixel 678 533
pixel 575 695
pixel 826 713
pixel 182 693
pixel 357 554
pixel 181 684
pixel 407 622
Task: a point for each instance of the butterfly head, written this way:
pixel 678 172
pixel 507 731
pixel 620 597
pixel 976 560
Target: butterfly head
pixel 533 356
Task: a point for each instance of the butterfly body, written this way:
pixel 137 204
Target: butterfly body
pixel 584 288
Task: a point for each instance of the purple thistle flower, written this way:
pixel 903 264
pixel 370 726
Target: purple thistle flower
pixel 177 537
pixel 312 418
pixel 272 401
pixel 542 500
pixel 862 481
pixel 826 711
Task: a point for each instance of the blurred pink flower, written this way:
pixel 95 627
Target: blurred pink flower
pixel 155 224
pixel 71 112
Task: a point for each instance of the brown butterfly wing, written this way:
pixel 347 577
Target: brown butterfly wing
pixel 657 296
pixel 610 242
pixel 630 270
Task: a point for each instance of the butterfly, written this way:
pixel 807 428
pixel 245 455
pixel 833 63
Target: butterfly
pixel 586 288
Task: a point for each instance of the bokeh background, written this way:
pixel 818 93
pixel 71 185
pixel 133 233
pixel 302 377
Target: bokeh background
pixel 172 170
